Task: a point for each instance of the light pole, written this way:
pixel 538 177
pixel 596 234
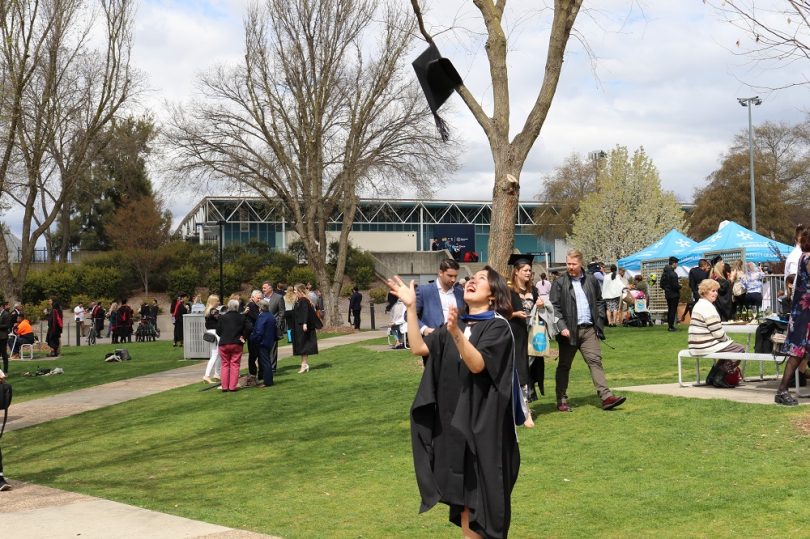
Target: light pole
pixel 220 241
pixel 596 156
pixel 749 103
pixel 221 224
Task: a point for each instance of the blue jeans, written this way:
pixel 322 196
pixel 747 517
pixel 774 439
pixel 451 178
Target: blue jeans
pixel 266 362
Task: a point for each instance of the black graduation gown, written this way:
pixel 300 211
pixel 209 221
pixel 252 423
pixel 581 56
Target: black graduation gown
pixel 462 430
pixel 304 342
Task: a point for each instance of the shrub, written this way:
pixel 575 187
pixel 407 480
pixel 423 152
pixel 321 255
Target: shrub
pixel 247 264
pixel 282 260
pixel 99 281
pixel 363 276
pixel 232 279
pixel 33 288
pixel 270 273
pixel 379 294
pixel 346 290
pixel 61 284
pixel 183 279
pixel 301 274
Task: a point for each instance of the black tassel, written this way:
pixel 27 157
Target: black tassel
pixel 441 125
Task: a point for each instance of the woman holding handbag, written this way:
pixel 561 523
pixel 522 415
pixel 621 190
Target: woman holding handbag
pixel 524 298
pixel 214 366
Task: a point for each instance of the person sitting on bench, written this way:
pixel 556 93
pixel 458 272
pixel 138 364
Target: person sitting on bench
pixel 707 336
pixel 24 334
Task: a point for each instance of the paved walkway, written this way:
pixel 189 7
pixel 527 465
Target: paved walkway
pixel 36 512
pixel 752 392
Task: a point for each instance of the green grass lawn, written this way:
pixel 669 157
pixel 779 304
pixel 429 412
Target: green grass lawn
pixel 327 454
pixel 84 366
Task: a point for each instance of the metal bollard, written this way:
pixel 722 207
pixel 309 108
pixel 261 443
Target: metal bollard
pixel 78 334
pixel 371 308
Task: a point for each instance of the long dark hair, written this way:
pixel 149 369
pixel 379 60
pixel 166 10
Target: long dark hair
pixel 613 271
pixel 502 302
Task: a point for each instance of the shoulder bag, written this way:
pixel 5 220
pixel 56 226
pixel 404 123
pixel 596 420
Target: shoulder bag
pixel 538 340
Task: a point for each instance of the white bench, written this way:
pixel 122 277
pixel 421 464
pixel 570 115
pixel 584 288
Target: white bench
pixel 734 356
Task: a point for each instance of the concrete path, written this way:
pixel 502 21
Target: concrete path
pixel 752 392
pixel 35 512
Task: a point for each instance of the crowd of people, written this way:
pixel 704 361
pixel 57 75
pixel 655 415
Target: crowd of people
pixel 270 315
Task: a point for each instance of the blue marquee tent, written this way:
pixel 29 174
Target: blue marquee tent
pixel 672 244
pixel 733 236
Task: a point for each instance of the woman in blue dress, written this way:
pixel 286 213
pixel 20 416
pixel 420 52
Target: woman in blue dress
pixel 797 343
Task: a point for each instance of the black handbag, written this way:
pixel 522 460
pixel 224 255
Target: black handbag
pixel 209 337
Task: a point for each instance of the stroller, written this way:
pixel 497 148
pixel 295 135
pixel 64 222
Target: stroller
pixel 636 303
pixel 146 331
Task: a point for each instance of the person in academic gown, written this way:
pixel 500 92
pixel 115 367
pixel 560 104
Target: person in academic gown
pixel 462 425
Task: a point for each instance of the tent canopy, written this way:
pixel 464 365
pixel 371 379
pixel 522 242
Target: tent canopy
pixel 672 244
pixel 731 236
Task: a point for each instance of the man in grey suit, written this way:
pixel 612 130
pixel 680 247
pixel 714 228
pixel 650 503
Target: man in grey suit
pixel 276 302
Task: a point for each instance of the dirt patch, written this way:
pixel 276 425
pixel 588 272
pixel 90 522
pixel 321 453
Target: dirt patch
pixel 802 424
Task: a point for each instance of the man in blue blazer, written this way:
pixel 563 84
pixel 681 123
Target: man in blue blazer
pixel 433 300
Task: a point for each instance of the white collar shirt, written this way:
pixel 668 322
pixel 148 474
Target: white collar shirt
pixel 447 298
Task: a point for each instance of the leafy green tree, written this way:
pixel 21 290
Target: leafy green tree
pixel 628 210
pixel 782 180
pixel 117 174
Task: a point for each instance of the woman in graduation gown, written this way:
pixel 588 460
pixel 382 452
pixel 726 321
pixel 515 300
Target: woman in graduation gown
pixel 305 338
pixel 524 298
pixel 462 424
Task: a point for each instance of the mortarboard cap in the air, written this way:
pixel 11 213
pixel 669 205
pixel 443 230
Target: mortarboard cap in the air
pixel 438 79
pixel 518 259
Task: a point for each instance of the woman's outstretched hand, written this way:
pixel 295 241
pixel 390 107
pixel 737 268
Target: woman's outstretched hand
pixel 407 293
pixel 452 319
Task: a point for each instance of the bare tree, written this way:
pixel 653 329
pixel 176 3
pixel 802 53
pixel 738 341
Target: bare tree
pixel 776 31
pixel 508 155
pixel 311 118
pixel 563 192
pixel 66 95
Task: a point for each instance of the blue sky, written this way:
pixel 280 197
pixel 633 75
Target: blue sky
pixel 664 75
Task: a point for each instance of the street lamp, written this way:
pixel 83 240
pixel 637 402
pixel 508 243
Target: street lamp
pixel 220 241
pixel 749 103
pixel 221 224
pixel 596 156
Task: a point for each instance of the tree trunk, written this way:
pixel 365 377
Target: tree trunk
pixel 505 196
pixel 64 246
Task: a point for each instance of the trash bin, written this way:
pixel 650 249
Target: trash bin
pixel 194 347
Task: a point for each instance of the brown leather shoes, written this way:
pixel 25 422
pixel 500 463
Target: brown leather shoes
pixel 612 402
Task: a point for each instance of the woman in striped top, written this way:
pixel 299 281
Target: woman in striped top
pixel 707 336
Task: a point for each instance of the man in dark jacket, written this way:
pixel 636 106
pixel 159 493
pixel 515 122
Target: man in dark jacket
pixel 578 304
pixel 672 291
pixel 696 275
pixel 252 313
pixel 275 302
pixel 355 305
